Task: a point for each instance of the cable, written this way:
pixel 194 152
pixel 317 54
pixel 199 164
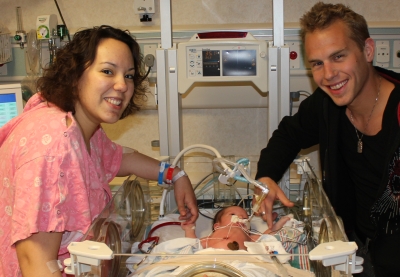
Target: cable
pixel 306 92
pixel 296 95
pixel 62 18
pixel 149 61
pixel 147 74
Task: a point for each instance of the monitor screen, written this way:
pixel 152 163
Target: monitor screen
pixel 239 63
pixel 11 103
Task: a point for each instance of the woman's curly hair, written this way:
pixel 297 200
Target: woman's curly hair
pixel 59 84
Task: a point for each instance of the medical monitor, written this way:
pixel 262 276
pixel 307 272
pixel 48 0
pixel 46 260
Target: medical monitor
pixel 11 103
pixel 222 57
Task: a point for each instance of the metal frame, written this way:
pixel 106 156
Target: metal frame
pixel 169 100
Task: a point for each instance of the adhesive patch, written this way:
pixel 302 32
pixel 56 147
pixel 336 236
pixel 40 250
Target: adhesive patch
pixel 54 266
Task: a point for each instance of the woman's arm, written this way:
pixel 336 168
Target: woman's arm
pixel 143 166
pixel 37 254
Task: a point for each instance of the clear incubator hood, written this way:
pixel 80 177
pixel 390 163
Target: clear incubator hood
pixel 129 238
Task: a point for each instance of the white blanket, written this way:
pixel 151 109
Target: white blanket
pixel 173 265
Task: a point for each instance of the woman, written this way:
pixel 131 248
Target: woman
pixel 56 161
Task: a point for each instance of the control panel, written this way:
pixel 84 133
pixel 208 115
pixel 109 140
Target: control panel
pixel 222 59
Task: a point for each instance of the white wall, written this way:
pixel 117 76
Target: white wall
pixel 120 13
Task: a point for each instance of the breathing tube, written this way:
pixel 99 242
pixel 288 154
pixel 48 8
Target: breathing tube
pixel 237 172
pixel 175 162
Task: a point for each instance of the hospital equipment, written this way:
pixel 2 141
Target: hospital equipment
pixel 11 103
pixel 145 8
pixel 173 58
pixel 123 225
pixel 20 34
pixel 46 29
pixel 222 57
pixel 46 25
pixel 5 46
pixel 264 65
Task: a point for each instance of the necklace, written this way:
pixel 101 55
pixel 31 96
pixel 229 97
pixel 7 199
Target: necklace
pixel 360 143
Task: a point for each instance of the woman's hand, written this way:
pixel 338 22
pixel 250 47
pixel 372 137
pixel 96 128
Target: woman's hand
pixel 148 168
pixel 275 193
pixel 186 200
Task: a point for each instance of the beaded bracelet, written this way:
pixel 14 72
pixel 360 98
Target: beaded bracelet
pixel 163 166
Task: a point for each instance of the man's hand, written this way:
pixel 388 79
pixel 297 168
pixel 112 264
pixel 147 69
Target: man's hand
pixel 275 193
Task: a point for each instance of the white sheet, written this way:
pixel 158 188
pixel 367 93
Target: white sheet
pixel 172 266
pixel 168 266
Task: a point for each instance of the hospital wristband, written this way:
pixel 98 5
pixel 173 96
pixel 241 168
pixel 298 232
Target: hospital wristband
pixel 178 175
pixel 163 166
pixel 168 178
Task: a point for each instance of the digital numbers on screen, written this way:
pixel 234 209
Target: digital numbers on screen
pixel 211 63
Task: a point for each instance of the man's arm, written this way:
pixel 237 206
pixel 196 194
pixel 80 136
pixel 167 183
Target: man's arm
pixel 294 133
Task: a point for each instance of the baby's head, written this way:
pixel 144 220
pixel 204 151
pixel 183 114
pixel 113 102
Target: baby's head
pixel 224 217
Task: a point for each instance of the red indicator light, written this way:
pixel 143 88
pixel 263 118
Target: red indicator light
pixel 216 35
pixel 293 55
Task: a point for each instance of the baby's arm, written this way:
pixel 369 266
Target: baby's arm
pixel 189 230
pixel 281 222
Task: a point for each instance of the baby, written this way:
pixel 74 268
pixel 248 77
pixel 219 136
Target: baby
pixel 231 229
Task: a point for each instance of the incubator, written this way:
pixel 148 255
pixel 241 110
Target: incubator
pixel 134 236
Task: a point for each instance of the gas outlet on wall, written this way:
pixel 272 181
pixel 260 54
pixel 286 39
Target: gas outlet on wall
pixel 382 54
pixel 396 53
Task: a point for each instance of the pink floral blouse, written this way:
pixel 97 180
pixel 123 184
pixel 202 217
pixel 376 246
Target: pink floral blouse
pixel 48 180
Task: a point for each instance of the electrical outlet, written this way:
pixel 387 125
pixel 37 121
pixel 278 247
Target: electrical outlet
pixel 396 53
pixel 151 49
pixel 143 6
pixel 382 53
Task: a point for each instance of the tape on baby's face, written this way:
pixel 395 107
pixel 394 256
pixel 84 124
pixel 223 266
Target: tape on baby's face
pixel 245 221
pixel 54 266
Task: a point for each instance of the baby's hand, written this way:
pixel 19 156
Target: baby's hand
pixel 187 227
pixel 281 222
pixel 278 225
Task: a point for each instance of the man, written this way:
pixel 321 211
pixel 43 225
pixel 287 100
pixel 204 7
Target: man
pixel 353 117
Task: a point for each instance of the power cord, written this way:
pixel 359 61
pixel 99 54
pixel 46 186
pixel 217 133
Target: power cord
pixel 149 61
pixel 296 95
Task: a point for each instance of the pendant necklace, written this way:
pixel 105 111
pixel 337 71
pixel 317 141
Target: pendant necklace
pixel 360 143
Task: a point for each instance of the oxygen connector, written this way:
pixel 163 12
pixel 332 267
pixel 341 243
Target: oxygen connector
pixel 259 198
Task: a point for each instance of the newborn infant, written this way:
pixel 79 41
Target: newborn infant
pixel 231 229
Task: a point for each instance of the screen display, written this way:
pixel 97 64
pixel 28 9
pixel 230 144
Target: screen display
pixel 8 107
pixel 239 63
pixel 211 63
